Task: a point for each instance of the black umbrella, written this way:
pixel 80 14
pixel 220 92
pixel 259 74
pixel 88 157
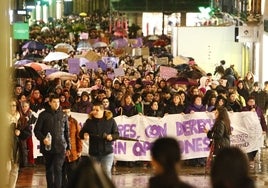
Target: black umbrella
pixel 181 80
pixel 33 45
pixel 25 72
pixel 34 57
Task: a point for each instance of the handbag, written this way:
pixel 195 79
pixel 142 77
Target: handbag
pixel 210 157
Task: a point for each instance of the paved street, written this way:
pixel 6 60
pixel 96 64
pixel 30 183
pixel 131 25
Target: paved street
pixel 137 176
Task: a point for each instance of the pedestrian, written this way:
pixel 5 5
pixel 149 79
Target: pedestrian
pixel 230 169
pixel 13 164
pixel 221 130
pixel 72 157
pixel 55 122
pixel 219 135
pixel 24 129
pixel 102 130
pixel 165 159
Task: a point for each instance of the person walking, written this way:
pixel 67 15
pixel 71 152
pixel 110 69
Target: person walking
pixel 165 158
pixel 219 135
pixel 221 130
pixel 24 129
pixel 72 157
pixel 55 122
pixel 102 130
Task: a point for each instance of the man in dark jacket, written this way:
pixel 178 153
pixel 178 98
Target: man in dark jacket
pixel 102 130
pixel 55 122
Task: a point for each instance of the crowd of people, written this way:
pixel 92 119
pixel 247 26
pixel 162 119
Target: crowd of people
pixel 141 90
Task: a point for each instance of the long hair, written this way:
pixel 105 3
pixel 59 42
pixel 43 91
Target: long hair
pixel 230 169
pixel 123 100
pixel 223 116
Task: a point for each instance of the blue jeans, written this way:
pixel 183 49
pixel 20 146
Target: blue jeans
pixel 106 162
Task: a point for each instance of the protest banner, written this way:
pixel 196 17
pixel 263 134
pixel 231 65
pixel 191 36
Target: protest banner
pixel 138 132
pixel 167 72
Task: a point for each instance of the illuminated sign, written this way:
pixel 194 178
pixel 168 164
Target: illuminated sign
pixel 20 30
pixel 22 12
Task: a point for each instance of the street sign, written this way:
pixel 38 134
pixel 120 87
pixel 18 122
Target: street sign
pixel 20 30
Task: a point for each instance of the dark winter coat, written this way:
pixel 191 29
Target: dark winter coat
pixel 128 111
pixel 55 122
pixel 24 125
pixel 261 99
pixel 174 109
pixel 219 135
pixel 155 113
pixel 97 129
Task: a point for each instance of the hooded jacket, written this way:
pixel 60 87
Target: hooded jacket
pixel 97 130
pixel 56 123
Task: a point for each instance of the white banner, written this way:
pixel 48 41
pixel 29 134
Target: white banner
pixel 187 129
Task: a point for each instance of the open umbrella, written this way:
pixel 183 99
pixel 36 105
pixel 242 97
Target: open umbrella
pixel 178 80
pixel 83 46
pixel 55 56
pixel 38 66
pixel 119 43
pixel 33 45
pixel 99 45
pixel 45 29
pixel 25 72
pixel 22 62
pixel 33 57
pixel 62 75
pixel 65 46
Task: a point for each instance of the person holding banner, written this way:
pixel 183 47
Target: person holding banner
pixel 251 106
pixel 102 130
pixel 165 159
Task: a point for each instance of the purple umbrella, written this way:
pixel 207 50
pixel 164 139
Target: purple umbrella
pixel 22 62
pixel 119 43
pixel 33 45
